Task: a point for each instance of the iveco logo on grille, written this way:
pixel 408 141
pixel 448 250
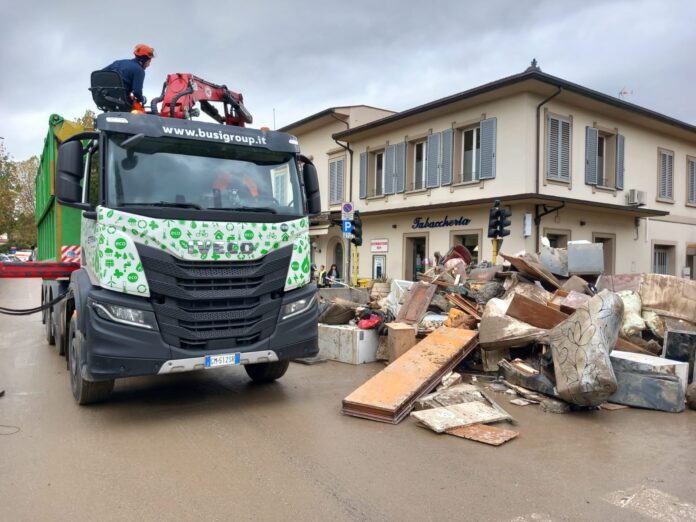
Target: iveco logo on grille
pixel 219 247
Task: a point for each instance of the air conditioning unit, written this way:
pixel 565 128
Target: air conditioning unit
pixel 635 198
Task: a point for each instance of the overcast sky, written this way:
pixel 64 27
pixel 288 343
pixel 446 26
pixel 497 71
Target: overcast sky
pixel 304 56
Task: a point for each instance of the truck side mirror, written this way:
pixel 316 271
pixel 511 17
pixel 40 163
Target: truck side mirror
pixel 311 184
pixel 69 172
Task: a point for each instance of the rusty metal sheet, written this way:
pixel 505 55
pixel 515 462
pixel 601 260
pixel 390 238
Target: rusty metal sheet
pixel 389 395
pixel 416 303
pixel 483 433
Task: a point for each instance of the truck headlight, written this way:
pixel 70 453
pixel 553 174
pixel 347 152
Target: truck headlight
pixel 124 315
pixel 296 307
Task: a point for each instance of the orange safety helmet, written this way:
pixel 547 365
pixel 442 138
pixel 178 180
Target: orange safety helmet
pixel 144 50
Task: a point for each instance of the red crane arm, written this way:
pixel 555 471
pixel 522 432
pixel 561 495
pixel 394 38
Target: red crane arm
pixel 182 91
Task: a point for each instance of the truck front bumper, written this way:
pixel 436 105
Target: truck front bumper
pixel 114 350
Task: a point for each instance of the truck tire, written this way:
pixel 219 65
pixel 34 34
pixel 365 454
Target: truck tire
pixel 43 312
pixel 85 392
pixel 267 372
pixel 50 327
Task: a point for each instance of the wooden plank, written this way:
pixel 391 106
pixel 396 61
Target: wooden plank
pixel 627 346
pixel 483 433
pixel 401 337
pixel 463 304
pixel 389 395
pixel 416 303
pixel 534 313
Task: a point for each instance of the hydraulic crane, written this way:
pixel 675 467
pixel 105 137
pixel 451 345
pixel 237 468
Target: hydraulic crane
pixel 182 91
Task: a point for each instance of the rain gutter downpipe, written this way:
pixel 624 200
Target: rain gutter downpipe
pixel 537 175
pixel 347 258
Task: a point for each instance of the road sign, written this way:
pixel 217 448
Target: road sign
pixel 347 211
pixel 347 226
pixel 347 235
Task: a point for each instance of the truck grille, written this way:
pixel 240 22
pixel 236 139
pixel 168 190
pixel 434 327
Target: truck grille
pixel 203 305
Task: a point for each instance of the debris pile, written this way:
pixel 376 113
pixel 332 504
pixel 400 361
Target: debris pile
pixel 546 329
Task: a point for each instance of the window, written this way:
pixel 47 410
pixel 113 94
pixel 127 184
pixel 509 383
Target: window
pixel 691 181
pixel 336 181
pixel 558 138
pixel 419 164
pixel 470 167
pixel 608 242
pixel 376 174
pixel 665 189
pixel 94 196
pixel 280 184
pixel 557 238
pixel 606 160
pixel 663 259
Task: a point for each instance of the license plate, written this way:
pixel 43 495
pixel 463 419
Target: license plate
pixel 226 359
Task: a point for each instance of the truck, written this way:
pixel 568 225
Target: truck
pixel 175 244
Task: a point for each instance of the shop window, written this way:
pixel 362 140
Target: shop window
pixel 414 257
pixel 471 242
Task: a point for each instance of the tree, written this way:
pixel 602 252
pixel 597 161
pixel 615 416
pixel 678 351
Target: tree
pixel 23 231
pixel 7 176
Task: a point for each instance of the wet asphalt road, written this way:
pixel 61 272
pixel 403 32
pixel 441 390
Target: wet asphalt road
pixel 213 446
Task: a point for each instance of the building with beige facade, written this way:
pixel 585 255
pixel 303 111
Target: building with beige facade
pixel 569 162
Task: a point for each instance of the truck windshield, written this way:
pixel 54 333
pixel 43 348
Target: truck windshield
pixel 201 175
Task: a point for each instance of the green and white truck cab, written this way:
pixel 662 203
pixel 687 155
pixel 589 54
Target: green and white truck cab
pixel 194 247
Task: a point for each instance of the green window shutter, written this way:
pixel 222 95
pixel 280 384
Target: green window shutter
pixel 670 176
pixel 390 169
pixel 552 138
pixel 691 182
pixel 488 148
pixel 332 182
pixel 447 147
pixel 432 175
pixel 363 175
pixel 401 167
pixel 340 180
pixel 591 138
pixel 620 141
pixel 564 160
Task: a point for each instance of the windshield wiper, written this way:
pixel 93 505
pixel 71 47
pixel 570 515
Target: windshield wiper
pixel 246 209
pixel 172 204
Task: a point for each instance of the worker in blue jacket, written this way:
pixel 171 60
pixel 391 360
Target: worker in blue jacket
pixel 132 71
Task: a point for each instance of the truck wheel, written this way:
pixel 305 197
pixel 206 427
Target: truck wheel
pixel 43 312
pixel 50 327
pixel 267 372
pixel 85 392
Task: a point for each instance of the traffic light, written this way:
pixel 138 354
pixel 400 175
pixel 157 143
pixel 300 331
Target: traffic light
pixel 498 221
pixel 493 221
pixel 504 222
pixel 357 229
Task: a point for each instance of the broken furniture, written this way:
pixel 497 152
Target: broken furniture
pixel 389 395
